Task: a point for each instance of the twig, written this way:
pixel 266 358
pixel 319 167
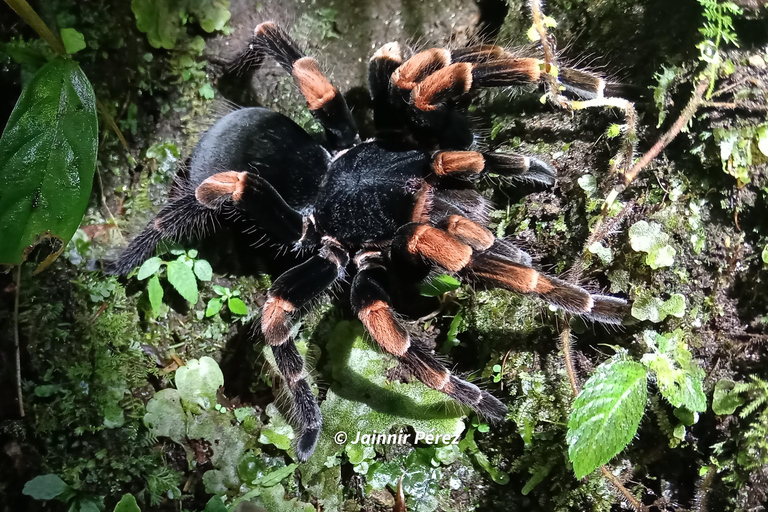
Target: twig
pixel 565 338
pixel 16 341
pixel 685 116
pixel 633 502
pixel 28 14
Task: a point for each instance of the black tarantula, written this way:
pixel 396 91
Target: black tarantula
pixel 387 211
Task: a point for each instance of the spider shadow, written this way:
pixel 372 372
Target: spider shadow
pixel 352 386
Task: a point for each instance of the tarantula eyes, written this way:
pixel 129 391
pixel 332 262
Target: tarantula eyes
pixel 387 212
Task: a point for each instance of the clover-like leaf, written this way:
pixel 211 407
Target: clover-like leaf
pixel 679 377
pixel 159 19
pixel 606 414
pixel 199 381
pixel 724 400
pixel 649 238
pixel 47 160
pixel 183 280
pixel 211 14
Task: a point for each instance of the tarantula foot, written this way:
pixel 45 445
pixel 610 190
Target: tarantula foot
pixel 305 446
pixel 540 172
pixel 609 310
pixel 491 408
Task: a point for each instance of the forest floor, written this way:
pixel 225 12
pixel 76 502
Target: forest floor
pixel 172 402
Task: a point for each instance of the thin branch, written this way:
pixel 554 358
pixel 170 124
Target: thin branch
pixel 28 14
pixel 16 341
pixel 685 116
pixel 633 502
pixel 565 338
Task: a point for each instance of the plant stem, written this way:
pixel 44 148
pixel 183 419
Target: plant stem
pixel 633 502
pixel 28 14
pixel 16 341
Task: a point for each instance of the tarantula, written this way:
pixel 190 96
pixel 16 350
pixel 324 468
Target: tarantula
pixel 386 212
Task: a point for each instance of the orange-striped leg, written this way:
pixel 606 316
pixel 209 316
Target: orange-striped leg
pixel 256 199
pixel 372 305
pixel 388 115
pixel 459 78
pixel 323 99
pixel 289 293
pixel 470 164
pixel 490 266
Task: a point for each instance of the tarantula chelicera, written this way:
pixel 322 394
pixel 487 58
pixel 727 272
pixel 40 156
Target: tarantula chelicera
pixel 388 211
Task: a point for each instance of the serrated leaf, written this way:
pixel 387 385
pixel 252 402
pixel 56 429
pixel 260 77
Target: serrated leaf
pixel 214 306
pixel 127 504
pixel 440 285
pixel 606 414
pixel 47 159
pixel 183 280
pixel 159 19
pixel 155 293
pixel 237 306
pixel 45 487
pixel 203 270
pixel 149 267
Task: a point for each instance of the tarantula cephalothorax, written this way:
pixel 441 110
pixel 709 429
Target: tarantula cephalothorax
pixel 388 211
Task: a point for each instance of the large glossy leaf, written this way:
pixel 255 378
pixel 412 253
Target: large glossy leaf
pixel 47 159
pixel 606 414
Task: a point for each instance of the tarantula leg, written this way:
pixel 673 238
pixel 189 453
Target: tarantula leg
pixel 497 272
pixel 469 164
pixel 372 305
pixel 461 77
pixel 325 101
pixel 386 115
pixel 255 198
pixel 289 293
pixel 183 216
pixel 590 85
pixel 494 268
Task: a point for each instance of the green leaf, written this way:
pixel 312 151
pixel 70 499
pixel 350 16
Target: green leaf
pixel 155 292
pixel 183 280
pixel 159 19
pixel 73 40
pixel 211 14
pixel 203 270
pixel 614 131
pixel 764 255
pixel 214 306
pixel 649 238
pixel 606 414
pixel 724 401
pixel 215 504
pixel 45 487
pixel 237 306
pixel 679 377
pixel 149 267
pixel 440 285
pixel 47 159
pixel 206 91
pixel 199 381
pixel 127 504
pixel 276 476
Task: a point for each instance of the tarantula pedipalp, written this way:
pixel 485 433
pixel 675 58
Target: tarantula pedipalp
pixel 387 211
